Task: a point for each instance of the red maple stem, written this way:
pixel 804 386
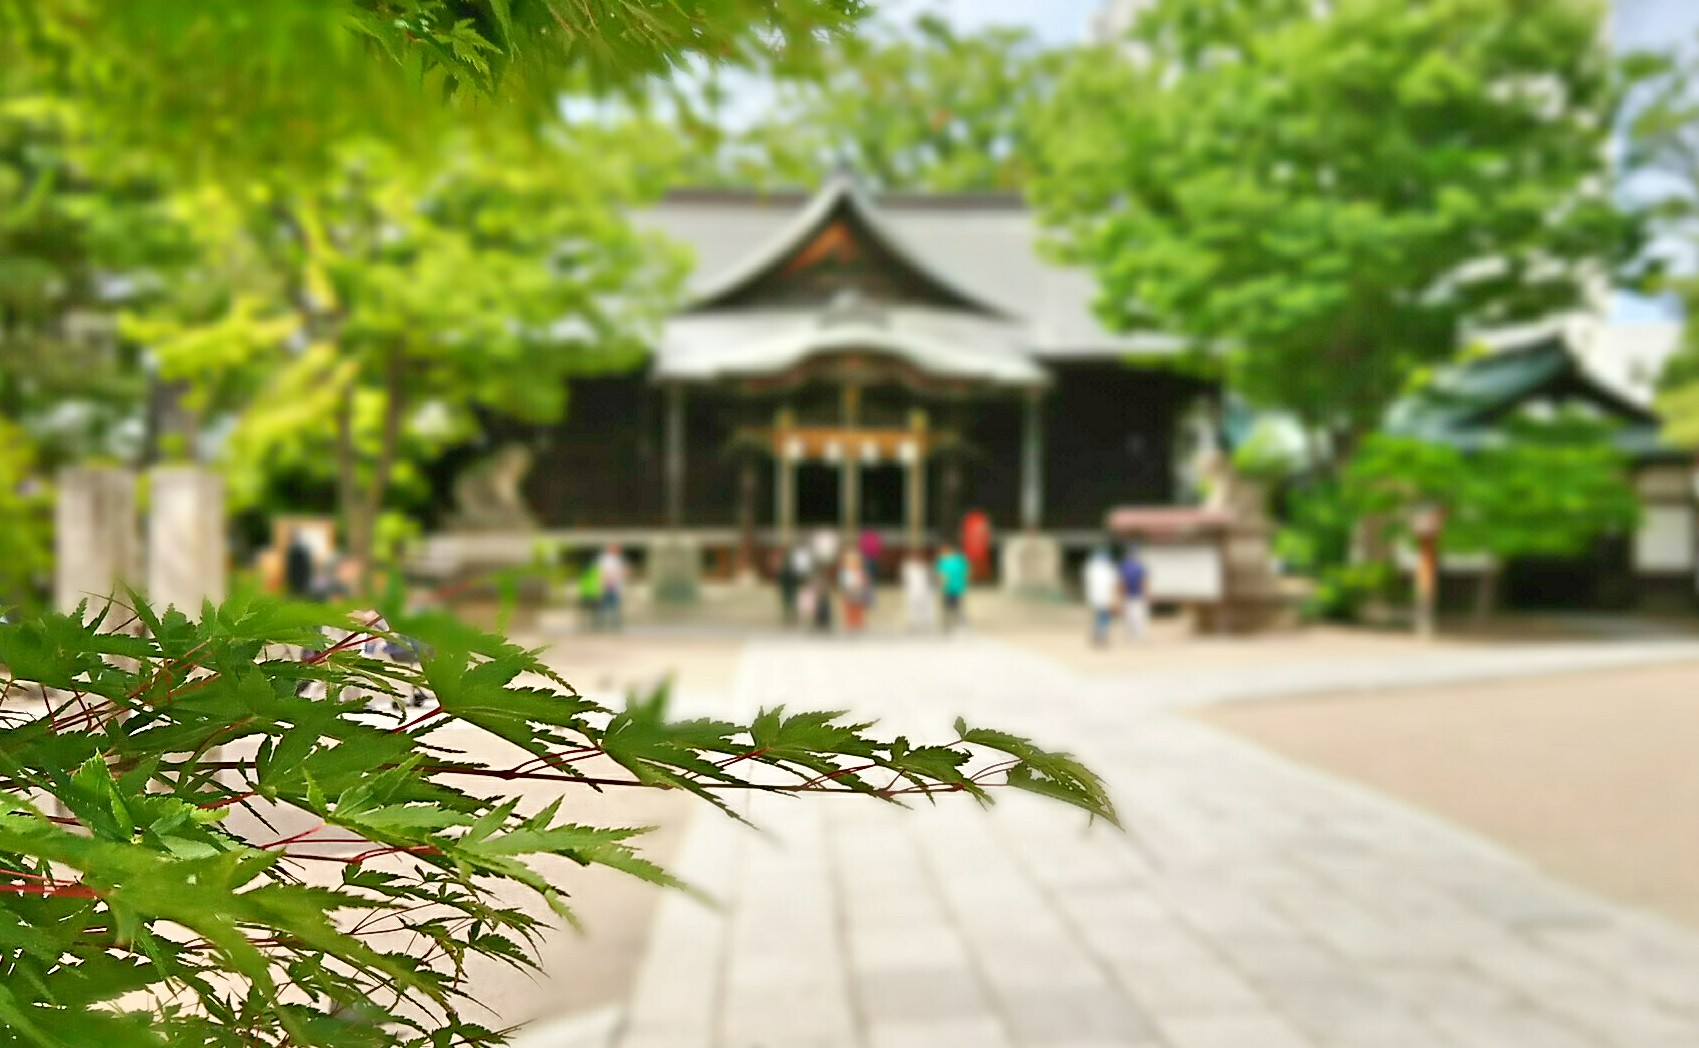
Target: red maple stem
pixel 751 755
pixel 236 798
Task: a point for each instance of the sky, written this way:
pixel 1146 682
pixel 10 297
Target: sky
pixel 1651 25
pixel 1654 23
pixel 1637 23
pixel 1054 21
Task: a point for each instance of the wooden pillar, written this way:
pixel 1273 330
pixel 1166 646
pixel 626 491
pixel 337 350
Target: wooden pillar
pixel 849 477
pixel 674 455
pixel 849 490
pixel 950 509
pixel 1032 463
pixel 784 478
pixel 950 497
pixel 746 554
pixel 914 498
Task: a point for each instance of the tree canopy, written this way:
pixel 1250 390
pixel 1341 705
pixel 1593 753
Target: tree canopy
pixel 1548 487
pixel 215 87
pixel 379 308
pixel 1324 197
pixel 909 107
pixel 77 240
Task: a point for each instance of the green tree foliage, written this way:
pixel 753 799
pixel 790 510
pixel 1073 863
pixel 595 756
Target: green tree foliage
pixel 1663 160
pixel 212 840
pixel 917 107
pixel 76 238
pixel 1548 488
pixel 407 298
pixel 216 87
pixel 1323 194
pixel 25 518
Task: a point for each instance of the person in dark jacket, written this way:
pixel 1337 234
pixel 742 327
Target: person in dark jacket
pixel 298 567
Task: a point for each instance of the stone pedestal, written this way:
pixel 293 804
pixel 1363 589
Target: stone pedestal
pixel 675 570
pixel 186 538
pixel 96 549
pixel 1032 567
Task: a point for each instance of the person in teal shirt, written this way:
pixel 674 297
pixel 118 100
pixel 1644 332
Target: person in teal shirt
pixel 953 572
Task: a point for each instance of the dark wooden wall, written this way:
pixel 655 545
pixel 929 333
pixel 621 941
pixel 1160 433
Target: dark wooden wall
pixel 1108 441
pixel 601 465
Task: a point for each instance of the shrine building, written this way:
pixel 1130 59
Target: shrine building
pixel 856 362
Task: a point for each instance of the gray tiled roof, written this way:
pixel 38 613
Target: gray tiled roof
pixel 1461 406
pixel 987 246
pixel 947 343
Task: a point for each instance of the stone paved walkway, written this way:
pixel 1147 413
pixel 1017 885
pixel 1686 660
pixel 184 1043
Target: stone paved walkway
pixel 1252 904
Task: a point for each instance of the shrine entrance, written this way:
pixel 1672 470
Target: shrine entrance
pixel 819 495
pixel 848 477
pixel 883 495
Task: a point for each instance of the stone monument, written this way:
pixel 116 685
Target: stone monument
pixel 186 538
pixel 96 552
pixel 1032 566
pixel 1254 599
pixel 487 494
pixel 675 570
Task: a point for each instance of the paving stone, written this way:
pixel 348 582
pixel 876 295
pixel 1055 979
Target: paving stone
pixel 905 995
pixel 1508 1028
pixel 988 1033
pixel 1251 904
pixel 1200 986
pixel 1054 1015
pixel 1233 1031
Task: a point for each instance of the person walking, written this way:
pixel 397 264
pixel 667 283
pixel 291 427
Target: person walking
pixel 802 569
pixel 1135 608
pixel 590 595
pixel 298 567
pixel 824 546
pixel 1102 586
pixel 872 547
pixel 789 583
pixel 614 572
pixel 919 603
pixel 819 595
pixel 853 586
pixel 953 573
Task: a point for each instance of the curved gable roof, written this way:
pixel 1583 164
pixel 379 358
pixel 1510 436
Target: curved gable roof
pixel 1462 404
pixel 840 196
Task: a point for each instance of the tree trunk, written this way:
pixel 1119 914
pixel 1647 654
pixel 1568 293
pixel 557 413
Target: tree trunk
pixel 347 471
pixel 394 411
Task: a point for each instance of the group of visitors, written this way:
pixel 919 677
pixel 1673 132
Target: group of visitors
pixel 308 575
pixel 1113 590
pixel 820 584
pixel 601 589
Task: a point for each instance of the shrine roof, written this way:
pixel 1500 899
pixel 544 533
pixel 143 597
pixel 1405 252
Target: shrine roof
pixel 983 250
pixel 1464 404
pixel 940 343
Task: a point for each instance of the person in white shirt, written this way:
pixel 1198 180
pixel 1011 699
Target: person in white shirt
pixel 824 546
pixel 1102 585
pixel 919 601
pixel 614 573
